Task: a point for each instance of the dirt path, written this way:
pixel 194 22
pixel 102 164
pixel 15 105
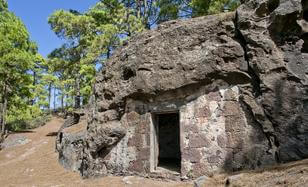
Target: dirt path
pixel 34 163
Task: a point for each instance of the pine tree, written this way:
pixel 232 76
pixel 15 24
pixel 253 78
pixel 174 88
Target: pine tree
pixel 18 56
pixel 91 37
pixel 206 7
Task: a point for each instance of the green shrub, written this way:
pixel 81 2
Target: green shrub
pixel 19 119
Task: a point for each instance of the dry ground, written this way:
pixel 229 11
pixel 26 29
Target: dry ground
pixel 35 164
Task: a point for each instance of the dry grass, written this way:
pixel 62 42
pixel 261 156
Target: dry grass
pixel 289 174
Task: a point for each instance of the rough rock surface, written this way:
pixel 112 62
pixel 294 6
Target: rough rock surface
pixel 14 140
pixel 239 81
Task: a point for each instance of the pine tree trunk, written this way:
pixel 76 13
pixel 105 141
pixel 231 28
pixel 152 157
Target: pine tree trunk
pixel 72 104
pixel 77 97
pixel 62 102
pixel 4 109
pixel 108 52
pixel 138 9
pixel 49 97
pixel 66 103
pixel 1 110
pixel 34 83
pixel 146 14
pixel 54 99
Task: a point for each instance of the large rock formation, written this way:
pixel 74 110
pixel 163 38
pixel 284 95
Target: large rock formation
pixel 239 82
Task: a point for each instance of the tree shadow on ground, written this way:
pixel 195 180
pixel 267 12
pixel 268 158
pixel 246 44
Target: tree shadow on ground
pixel 52 134
pixel 22 131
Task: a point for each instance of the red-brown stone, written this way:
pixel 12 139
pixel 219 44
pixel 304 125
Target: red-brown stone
pixel 193 155
pixel 199 140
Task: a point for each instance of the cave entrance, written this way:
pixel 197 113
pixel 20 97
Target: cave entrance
pixel 167 143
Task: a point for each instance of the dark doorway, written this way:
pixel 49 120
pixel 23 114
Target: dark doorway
pixel 169 153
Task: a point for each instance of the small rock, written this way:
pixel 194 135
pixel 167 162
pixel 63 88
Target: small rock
pixel 14 140
pixel 126 180
pixel 203 181
pixel 233 179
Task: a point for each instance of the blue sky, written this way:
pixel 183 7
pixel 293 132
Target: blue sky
pixel 34 14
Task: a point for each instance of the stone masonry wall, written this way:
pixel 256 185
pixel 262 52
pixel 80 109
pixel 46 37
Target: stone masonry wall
pixel 215 134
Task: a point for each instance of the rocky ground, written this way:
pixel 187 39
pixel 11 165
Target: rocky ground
pixel 291 174
pixel 29 159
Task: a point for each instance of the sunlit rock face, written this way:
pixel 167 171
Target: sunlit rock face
pixel 233 87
